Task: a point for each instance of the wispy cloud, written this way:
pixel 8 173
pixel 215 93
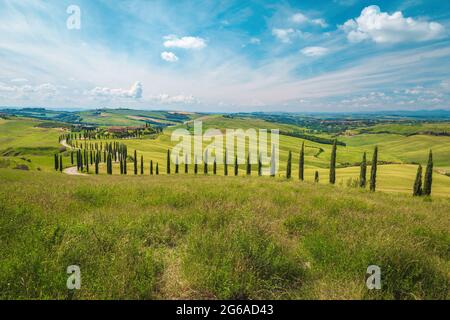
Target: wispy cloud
pixel 300 18
pixel 284 35
pixel 314 51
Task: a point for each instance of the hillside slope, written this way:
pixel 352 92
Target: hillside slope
pixel 209 237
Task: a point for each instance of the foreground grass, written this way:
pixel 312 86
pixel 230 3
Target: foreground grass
pixel 208 237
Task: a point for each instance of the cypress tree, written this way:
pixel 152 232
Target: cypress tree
pixel 157 169
pixel 96 164
pixel 121 165
pixel 151 167
pixel 259 165
pixel 428 180
pixel 111 157
pixel 81 160
pixel 288 166
pixel 135 162
pixel 205 166
pixel 249 166
pixel 195 166
pixel 186 164
pixel 91 159
pixel 225 165
pixel 373 171
pixel 56 162
pixel 168 161
pixel 417 188
pixel 301 163
pixel 125 165
pixel 60 163
pixel 176 165
pixel 71 157
pixel 333 163
pixel 86 160
pixel 109 165
pixel 363 172
pixel 215 167
pixel 142 164
pixel 236 166
pixel 316 177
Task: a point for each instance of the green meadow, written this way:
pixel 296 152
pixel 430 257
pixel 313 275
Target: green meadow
pixel 410 129
pixel 22 142
pixel 172 237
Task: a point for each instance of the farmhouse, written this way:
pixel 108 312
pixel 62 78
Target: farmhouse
pixel 117 129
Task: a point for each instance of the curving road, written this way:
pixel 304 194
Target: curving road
pixel 71 171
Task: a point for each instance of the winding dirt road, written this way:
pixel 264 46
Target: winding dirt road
pixel 71 171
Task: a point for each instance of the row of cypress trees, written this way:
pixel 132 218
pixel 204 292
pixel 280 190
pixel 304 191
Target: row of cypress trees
pixel 118 152
pixel 248 165
pixel 332 175
pixel 93 134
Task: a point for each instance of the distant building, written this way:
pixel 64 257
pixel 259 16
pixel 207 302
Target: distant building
pixel 135 128
pixel 117 129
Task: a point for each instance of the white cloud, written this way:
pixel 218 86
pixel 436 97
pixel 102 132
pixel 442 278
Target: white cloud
pixel 382 27
pixel 173 41
pixel 314 51
pixel 284 35
pixel 319 22
pixel 176 99
pixel 255 41
pixel 169 56
pixel 19 80
pixel 300 18
pixel 135 92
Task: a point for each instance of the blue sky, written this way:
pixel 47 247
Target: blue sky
pixel 337 55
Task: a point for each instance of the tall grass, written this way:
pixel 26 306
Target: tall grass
pixel 143 237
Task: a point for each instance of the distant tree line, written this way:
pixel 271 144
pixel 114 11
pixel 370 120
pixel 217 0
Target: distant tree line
pixel 312 138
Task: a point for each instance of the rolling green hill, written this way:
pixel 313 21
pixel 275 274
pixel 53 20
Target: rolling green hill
pixel 22 142
pixel 410 128
pixel 128 117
